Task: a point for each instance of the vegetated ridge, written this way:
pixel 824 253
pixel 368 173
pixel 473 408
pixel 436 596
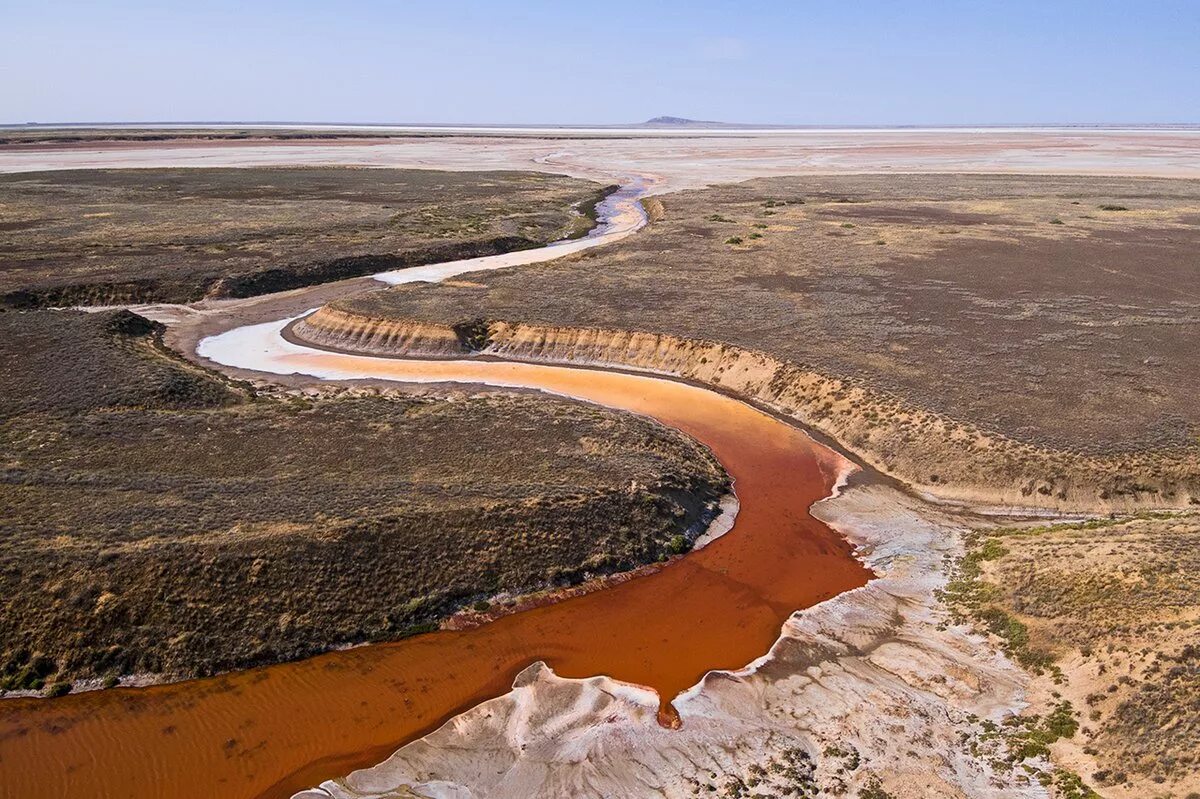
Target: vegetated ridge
pixel 161 520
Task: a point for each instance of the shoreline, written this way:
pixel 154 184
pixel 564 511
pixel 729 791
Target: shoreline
pixel 711 527
pixel 827 549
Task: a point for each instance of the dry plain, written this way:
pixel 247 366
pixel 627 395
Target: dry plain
pixel 1008 343
pixel 1004 342
pixel 98 237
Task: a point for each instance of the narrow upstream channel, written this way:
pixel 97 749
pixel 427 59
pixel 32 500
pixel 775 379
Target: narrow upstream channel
pixel 272 731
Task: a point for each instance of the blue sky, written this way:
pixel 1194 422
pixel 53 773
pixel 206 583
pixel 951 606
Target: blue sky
pixel 794 62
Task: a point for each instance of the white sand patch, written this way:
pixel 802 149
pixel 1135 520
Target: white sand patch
pixel 869 672
pixel 620 214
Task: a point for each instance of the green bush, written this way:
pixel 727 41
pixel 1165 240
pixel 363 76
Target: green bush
pixel 474 335
pixel 992 549
pixel 19 675
pixel 679 545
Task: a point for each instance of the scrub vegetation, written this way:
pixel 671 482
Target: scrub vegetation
pixel 162 520
pixel 97 237
pixel 981 353
pixel 1106 614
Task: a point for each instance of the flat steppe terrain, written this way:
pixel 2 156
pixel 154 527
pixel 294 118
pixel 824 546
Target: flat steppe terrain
pixel 79 135
pixel 964 333
pixel 161 520
pixel 1014 340
pixel 103 237
pixel 1024 338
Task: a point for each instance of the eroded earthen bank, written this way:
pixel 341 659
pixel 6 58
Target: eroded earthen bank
pixel 941 457
pixel 298 723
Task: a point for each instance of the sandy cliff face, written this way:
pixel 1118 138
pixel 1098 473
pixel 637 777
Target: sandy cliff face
pixel 336 329
pixel 937 455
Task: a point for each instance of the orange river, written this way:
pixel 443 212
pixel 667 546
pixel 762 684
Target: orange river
pixel 271 731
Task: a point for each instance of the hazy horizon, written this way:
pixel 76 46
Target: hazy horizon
pixel 538 63
pixel 298 124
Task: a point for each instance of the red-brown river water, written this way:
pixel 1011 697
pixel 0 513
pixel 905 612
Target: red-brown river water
pixel 272 731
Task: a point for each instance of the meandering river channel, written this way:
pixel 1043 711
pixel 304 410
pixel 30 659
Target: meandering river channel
pixel 275 730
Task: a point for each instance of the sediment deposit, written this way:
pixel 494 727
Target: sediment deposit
pixel 869 689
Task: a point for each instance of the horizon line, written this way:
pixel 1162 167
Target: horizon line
pixel 688 125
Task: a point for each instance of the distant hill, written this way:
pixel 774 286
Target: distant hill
pixel 682 122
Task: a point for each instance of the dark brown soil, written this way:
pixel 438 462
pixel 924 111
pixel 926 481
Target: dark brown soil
pixel 914 215
pixel 161 519
pixel 95 237
pixel 18 138
pixel 959 294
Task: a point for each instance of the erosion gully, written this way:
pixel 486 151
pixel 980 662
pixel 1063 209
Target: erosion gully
pixel 272 731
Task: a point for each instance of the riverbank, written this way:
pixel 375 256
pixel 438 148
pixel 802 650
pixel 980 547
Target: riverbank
pixel 870 690
pixel 721 606
pixel 221 533
pixel 981 338
pixel 971 468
